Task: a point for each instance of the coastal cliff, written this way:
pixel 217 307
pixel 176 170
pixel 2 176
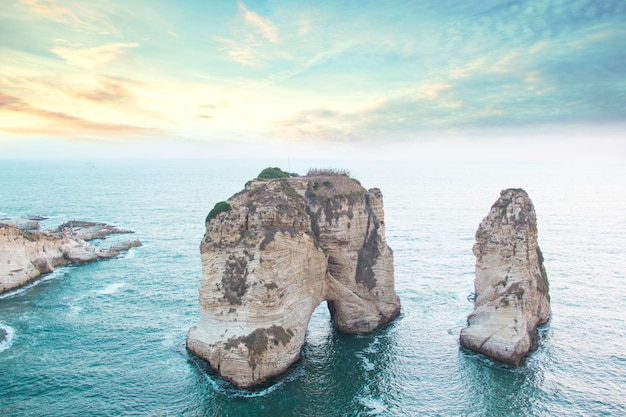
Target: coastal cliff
pixel 26 252
pixel 272 253
pixel 511 283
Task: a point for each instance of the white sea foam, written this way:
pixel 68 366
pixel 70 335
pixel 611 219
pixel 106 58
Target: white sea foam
pixel 20 290
pixel 8 340
pixel 373 347
pixel 74 309
pixel 375 405
pixel 221 386
pixel 367 364
pixel 111 289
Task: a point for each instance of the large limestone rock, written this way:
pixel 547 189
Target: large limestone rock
pixel 280 248
pixel 26 252
pixel 511 284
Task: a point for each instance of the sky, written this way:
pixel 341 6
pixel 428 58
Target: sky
pixel 535 80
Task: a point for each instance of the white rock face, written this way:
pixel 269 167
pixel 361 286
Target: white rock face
pixel 511 284
pixel 26 254
pixel 267 263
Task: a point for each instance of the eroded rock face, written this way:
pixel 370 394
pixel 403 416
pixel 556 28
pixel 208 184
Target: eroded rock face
pixel 285 246
pixel 26 252
pixel 511 284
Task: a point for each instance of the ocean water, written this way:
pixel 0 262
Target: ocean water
pixel 108 338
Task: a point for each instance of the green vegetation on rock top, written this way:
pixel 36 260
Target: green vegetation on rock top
pixel 270 173
pixel 220 207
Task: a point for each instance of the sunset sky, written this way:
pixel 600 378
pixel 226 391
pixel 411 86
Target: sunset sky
pixel 424 79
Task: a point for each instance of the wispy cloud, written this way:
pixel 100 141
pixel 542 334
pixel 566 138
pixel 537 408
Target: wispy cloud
pixel 52 10
pixel 93 57
pixel 253 39
pixel 348 71
pixel 509 67
pixel 264 26
pixel 109 91
pixel 82 16
pixel 240 51
pixel 92 96
pixel 59 123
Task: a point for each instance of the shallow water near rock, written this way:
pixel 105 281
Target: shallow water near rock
pixel 108 338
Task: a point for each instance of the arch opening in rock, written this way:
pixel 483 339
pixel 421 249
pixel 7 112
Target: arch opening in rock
pixel 320 331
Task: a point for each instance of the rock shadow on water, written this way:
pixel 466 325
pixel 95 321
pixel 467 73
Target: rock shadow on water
pixel 498 388
pixel 209 376
pixel 349 370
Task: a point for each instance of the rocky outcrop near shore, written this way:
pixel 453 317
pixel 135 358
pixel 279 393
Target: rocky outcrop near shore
pixel 27 252
pixel 511 283
pixel 272 253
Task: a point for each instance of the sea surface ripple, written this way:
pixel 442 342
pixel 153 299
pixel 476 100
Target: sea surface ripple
pixel 108 338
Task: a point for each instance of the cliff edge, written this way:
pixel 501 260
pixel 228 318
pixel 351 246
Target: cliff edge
pixel 511 283
pixel 272 253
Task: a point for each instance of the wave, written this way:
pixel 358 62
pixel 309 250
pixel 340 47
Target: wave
pixel 8 337
pixel 366 363
pixel 227 389
pixel 47 277
pixel 74 309
pixel 111 289
pixel 373 347
pixel 375 406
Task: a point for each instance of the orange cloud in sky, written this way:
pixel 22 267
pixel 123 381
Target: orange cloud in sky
pixel 93 57
pixel 108 90
pixel 59 123
pixel 82 16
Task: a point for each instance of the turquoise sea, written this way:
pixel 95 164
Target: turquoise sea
pixel 108 338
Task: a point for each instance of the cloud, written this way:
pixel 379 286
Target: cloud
pixel 424 107
pixel 491 101
pixel 94 97
pixel 50 9
pixel 250 35
pixel 93 57
pixel 353 71
pixel 81 16
pixel 264 26
pixel 59 123
pixel 239 52
pixel 108 91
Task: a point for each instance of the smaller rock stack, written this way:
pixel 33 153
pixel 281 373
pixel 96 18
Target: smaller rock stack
pixel 511 284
